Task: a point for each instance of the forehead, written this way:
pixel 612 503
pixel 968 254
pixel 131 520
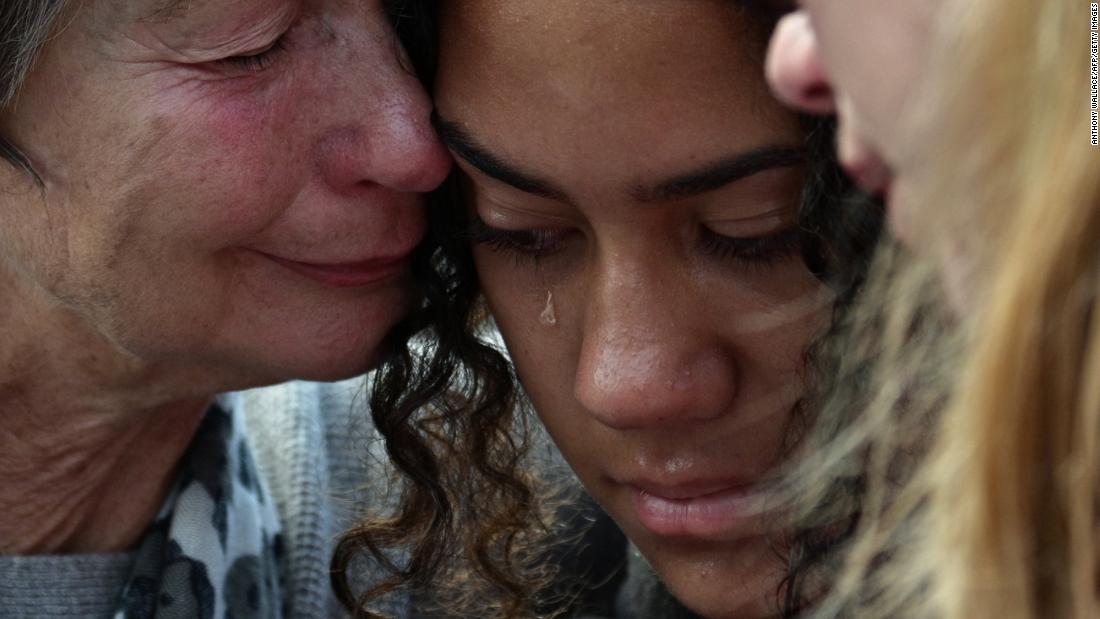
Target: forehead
pixel 564 30
pixel 154 10
pixel 662 77
pixel 158 12
pixel 187 25
pixel 607 49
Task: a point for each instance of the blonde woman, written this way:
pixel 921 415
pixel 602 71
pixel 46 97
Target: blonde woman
pixel 972 118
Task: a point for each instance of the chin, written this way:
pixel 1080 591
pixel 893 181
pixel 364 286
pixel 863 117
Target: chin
pixel 725 602
pixel 330 339
pixel 270 330
pixel 330 350
pixel 720 581
pixel 325 368
pixel 357 352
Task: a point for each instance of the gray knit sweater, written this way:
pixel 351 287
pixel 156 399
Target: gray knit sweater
pixel 314 444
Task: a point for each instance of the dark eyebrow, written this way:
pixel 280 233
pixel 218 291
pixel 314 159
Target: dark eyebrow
pixel 696 182
pixel 717 175
pixel 463 145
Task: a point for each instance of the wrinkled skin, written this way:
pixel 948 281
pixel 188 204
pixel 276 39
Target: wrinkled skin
pixel 192 162
pixel 170 174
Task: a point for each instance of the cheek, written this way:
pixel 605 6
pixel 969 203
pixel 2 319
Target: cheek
pixel 773 332
pixel 777 317
pixel 851 43
pixel 203 178
pixel 874 51
pixel 235 160
pixel 200 172
pixel 32 235
pixel 156 208
pixel 539 320
pixel 532 311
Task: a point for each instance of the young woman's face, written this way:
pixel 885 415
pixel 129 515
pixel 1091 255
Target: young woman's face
pixel 863 60
pixel 635 191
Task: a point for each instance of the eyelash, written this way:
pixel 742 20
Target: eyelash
pixel 539 243
pixel 534 244
pixel 259 61
pixel 761 251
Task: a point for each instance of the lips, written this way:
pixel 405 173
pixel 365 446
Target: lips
pixel 352 274
pixel 686 490
pixel 702 509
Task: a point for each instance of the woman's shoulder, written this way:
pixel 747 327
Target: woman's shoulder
pixel 330 399
pixel 330 416
pixel 317 450
pixel 326 425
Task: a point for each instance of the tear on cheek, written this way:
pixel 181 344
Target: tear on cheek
pixel 548 317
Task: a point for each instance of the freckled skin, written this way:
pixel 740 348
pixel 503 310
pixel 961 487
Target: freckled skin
pixel 165 174
pixel 663 361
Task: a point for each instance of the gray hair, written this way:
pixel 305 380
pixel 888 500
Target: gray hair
pixel 24 27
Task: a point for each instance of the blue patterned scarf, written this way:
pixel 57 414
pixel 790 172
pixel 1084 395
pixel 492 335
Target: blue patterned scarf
pixel 215 548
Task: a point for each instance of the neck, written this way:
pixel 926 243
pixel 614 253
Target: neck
pixel 90 436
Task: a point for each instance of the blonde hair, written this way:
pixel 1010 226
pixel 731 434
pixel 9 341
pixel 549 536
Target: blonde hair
pixel 1014 474
pixel 980 441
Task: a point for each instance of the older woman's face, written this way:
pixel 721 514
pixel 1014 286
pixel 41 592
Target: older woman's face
pixel 863 60
pixel 230 184
pixel 638 192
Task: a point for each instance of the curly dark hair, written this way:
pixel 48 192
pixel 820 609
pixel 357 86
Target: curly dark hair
pixel 470 520
pixel 844 226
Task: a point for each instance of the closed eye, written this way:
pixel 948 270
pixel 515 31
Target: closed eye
pixel 534 243
pixel 259 60
pixel 760 251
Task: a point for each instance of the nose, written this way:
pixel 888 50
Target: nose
pixel 646 360
pixel 395 148
pixel 380 131
pixel 402 147
pixel 794 68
